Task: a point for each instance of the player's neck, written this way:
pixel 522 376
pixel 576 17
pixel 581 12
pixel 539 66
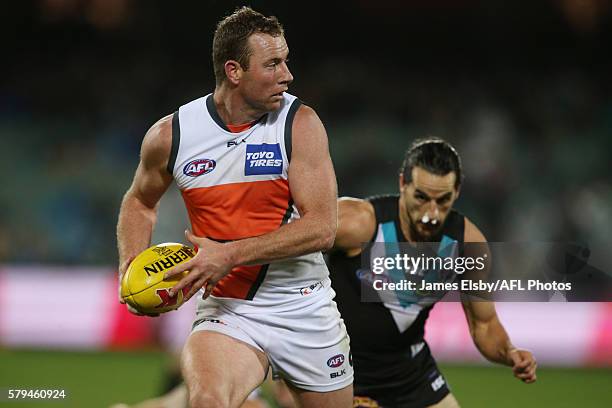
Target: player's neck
pixel 232 108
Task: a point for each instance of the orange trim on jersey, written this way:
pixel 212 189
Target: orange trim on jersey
pixel 237 210
pixel 240 128
pixel 238 282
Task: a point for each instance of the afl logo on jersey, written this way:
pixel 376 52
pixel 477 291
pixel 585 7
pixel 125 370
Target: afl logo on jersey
pixel 198 167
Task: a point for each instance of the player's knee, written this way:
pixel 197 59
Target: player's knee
pixel 204 398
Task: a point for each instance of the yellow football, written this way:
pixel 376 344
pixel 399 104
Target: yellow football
pixel 143 286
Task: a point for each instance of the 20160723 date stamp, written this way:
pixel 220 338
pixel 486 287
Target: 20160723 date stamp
pixel 30 394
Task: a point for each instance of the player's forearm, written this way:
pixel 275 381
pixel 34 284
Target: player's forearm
pixel 492 341
pixel 303 236
pixel 134 229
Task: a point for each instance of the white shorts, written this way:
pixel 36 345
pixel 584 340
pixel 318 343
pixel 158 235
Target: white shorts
pixel 306 346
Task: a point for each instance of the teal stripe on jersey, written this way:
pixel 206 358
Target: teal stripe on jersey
pixel 405 297
pixel 448 248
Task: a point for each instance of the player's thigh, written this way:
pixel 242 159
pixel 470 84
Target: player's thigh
pixel 447 402
pixel 282 394
pixel 220 370
pixel 342 398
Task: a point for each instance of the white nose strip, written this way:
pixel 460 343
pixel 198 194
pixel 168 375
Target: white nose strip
pixel 425 219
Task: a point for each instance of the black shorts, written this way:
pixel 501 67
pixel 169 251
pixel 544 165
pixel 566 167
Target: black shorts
pixel 399 381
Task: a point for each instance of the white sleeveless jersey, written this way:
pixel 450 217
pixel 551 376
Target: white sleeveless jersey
pixel 235 186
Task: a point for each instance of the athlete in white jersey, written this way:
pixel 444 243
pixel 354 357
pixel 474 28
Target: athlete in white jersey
pixel 254 170
pixel 235 186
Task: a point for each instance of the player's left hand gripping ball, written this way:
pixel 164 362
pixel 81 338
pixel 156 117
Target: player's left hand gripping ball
pixel 143 286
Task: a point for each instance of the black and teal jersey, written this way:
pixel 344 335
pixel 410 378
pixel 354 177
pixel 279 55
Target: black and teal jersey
pixel 389 353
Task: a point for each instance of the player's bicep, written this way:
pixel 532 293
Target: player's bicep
pixel 477 248
pixel 478 312
pixel 312 180
pixel 152 179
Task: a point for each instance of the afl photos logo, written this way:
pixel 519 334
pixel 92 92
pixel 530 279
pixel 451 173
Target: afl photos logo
pixel 198 167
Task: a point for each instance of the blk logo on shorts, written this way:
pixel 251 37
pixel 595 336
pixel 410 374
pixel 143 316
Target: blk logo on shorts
pixel 438 383
pixel 338 373
pixel 263 159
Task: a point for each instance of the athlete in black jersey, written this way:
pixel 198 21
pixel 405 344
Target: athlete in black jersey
pixel 393 365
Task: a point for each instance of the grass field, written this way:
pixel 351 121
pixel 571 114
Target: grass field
pixel 95 380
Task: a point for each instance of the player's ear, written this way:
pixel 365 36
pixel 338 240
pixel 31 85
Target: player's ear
pixel 233 71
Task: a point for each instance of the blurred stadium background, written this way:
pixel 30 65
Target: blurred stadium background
pixel 523 89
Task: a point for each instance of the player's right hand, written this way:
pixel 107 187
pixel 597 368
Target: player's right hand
pixel 209 266
pixel 128 306
pixel 123 266
pixel 524 365
pixel 132 310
